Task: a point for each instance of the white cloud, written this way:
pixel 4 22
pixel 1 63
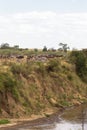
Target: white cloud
pixel 36 29
pixel 73 0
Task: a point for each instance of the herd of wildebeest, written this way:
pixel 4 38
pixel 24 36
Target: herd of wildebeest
pixel 27 58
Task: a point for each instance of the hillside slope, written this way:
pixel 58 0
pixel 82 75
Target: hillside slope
pixel 37 87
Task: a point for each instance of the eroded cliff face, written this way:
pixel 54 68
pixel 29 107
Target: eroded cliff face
pixel 36 87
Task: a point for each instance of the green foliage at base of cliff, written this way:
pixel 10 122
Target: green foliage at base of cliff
pixel 4 121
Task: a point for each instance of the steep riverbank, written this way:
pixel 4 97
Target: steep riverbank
pixel 36 88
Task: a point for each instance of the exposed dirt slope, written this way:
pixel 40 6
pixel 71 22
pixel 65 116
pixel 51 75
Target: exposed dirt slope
pixel 36 88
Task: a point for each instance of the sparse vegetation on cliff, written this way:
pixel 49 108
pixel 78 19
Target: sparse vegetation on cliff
pixel 33 87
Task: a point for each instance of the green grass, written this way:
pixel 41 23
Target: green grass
pixel 4 121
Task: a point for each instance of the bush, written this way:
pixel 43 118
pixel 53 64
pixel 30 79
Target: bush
pixel 53 66
pixel 8 84
pixel 45 48
pixel 80 60
pixel 4 121
pixel 41 68
pixel 6 81
pixel 18 69
pixel 69 76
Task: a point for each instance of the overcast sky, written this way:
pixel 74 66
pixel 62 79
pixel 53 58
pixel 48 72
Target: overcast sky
pixel 38 23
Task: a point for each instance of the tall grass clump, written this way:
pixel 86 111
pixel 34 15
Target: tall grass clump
pixel 18 69
pixel 40 68
pixel 53 66
pixel 8 84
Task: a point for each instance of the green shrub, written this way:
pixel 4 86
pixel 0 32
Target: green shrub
pixel 15 93
pixel 64 103
pixel 7 82
pixel 53 65
pixel 4 121
pixel 69 76
pixel 18 69
pixel 80 61
pixel 41 68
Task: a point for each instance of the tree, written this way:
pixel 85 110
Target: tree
pixel 45 48
pixel 80 61
pixel 35 49
pixel 5 46
pixel 16 47
pixel 64 47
